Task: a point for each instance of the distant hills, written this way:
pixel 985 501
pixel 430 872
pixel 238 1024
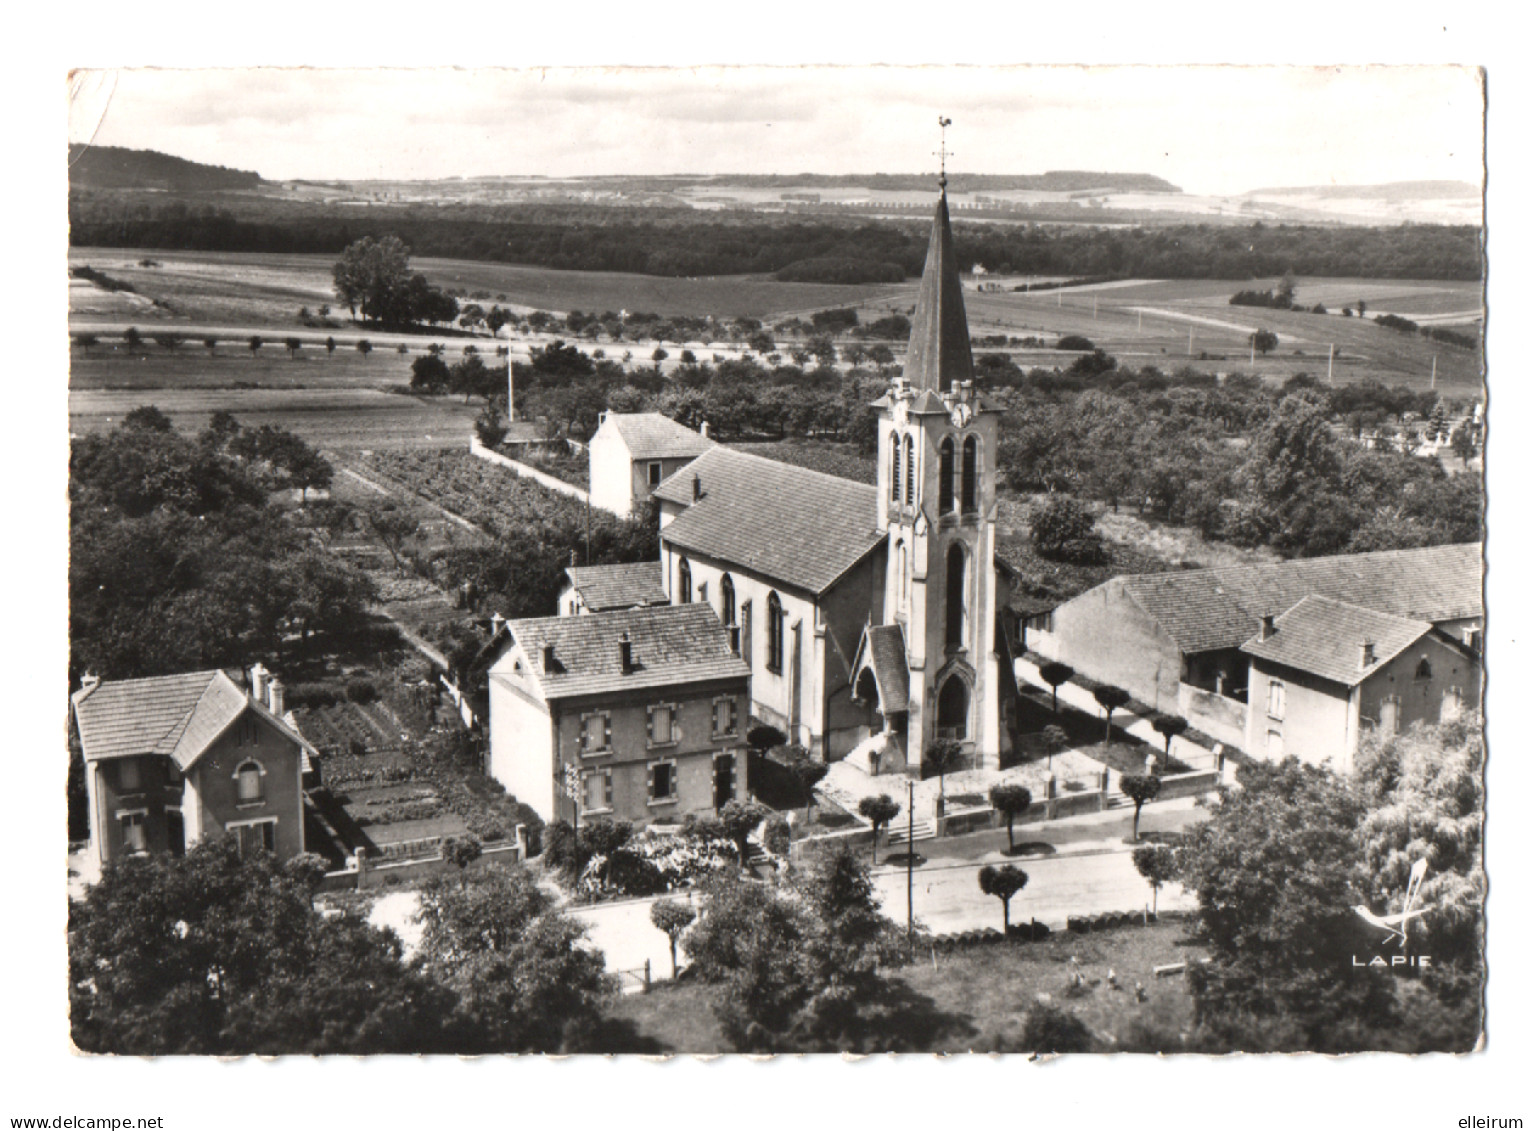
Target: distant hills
pixel 1395 190
pixel 111 167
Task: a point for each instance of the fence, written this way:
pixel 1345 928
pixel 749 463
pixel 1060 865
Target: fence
pixel 408 860
pixel 528 472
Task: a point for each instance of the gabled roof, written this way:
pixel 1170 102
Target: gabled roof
pixel 799 527
pixel 607 587
pixel 179 716
pixel 1324 637
pixel 883 649
pixel 650 435
pixel 939 352
pixel 670 645
pixel 1207 609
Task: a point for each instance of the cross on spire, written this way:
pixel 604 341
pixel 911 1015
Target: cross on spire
pixel 943 124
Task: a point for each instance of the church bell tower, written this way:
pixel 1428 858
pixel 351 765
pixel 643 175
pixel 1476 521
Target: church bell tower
pixel 937 506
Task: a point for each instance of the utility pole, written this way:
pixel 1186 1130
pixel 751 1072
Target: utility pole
pixel 1330 363
pixel 910 867
pixel 1189 343
pixel 1093 308
pixel 1434 371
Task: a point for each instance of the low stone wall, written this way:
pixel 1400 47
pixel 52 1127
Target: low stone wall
pixel 365 875
pixel 528 472
pixel 1194 784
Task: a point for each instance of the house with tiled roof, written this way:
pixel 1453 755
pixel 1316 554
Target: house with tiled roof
pixel 1325 672
pixel 632 453
pixel 637 714
pixel 1176 640
pixel 605 588
pixel 868 614
pixel 171 760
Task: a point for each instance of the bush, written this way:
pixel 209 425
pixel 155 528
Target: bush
pixel 1075 342
pixel 312 695
pixel 1064 530
pixel 361 690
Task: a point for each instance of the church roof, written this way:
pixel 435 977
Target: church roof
pixel 799 527
pixel 651 435
pixel 883 649
pixel 939 352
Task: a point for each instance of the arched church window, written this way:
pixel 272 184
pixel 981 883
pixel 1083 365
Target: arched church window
pixel 774 633
pixel 957 591
pixel 894 468
pixel 901 572
pixel 945 483
pixel 910 472
pixel 953 708
pixel 970 475
pixel 684 583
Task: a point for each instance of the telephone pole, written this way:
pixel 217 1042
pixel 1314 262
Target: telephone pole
pixel 910 867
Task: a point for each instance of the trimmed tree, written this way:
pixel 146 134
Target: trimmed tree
pixel 879 809
pixel 942 758
pixel 330 347
pixel 1055 740
pixel 293 346
pixel 1003 883
pixel 1011 801
pixel 1054 673
pixel 211 343
pixel 1110 698
pixel 1157 864
pixel 1168 727
pixel 673 917
pixel 364 347
pixel 1139 788
pixel 255 343
pixel 739 819
pixel 762 738
pixel 460 852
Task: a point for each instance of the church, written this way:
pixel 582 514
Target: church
pixel 869 616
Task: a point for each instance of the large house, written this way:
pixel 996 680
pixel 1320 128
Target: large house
pixel 1325 671
pixel 174 759
pixel 639 714
pixel 633 453
pixel 1177 641
pixel 868 614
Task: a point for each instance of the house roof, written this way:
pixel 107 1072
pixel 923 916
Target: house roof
pixel 1207 609
pixel 883 649
pixel 606 587
pixel 179 716
pixel 939 352
pixel 670 644
pixel 799 527
pixel 1323 636
pixel 650 435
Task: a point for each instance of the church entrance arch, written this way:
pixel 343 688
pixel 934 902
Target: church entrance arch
pixel 953 708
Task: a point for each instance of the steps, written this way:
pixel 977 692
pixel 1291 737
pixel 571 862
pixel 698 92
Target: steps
pixel 901 832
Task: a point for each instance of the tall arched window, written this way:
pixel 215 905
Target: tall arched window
pixel 684 583
pixel 894 467
pixel 774 632
pixel 910 472
pixel 247 780
pixel 945 478
pixel 970 475
pixel 957 590
pixel 953 708
pixel 727 599
pixel 900 572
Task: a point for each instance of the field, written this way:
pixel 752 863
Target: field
pixel 265 290
pixel 975 1000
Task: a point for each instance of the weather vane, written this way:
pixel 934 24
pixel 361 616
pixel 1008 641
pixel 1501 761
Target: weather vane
pixel 943 124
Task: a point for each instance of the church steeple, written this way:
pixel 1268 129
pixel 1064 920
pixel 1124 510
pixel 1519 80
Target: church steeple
pixel 939 352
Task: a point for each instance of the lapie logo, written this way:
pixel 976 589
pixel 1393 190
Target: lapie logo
pixel 1397 927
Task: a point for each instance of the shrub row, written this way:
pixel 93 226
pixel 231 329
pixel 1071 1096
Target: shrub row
pixel 965 940
pixel 1106 921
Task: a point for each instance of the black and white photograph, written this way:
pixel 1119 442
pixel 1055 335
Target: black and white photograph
pixel 653 563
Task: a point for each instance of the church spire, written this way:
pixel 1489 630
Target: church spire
pixel 939 351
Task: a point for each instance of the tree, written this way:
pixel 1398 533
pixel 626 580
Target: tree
pixel 395 528
pixel 761 342
pixel 1011 801
pixel 1047 1029
pixel 1139 788
pixel 673 917
pixel 1110 698
pixel 1264 341
pixel 211 343
pixel 659 355
pixel 1054 674
pixel 147 418
pixel 739 819
pixel 330 347
pixel 1157 864
pixel 170 342
pixel 490 425
pixel 1362 308
pixel 1003 883
pixel 132 338
pixel 255 344
pixel 942 758
pixel 807 771
pixel 879 809
pixel 373 274
pixel 1064 530
pixel 364 347
pixel 1168 727
pixel 460 852
pixel 1055 740
pixel 763 737
pixel 85 341
pixel 429 373
pixel 293 346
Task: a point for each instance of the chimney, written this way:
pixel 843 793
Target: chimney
pixel 1269 626
pixel 697 487
pixel 276 697
pixel 548 658
pixel 704 428
pixel 1365 653
pixel 625 651
pixel 89 682
pixel 496 623
pixel 258 676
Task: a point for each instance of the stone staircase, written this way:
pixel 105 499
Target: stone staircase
pixel 901 833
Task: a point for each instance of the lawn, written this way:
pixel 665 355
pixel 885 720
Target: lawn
pixel 974 1000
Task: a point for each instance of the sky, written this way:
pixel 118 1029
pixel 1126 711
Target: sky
pixel 1207 129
